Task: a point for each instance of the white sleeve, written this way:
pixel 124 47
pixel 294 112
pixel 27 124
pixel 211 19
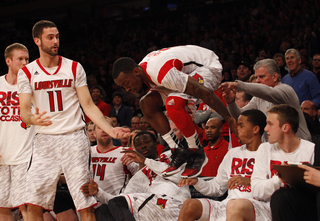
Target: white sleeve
pixel 262 185
pixel 175 80
pixel 81 78
pixel 133 168
pixel 24 85
pixel 218 185
pixel 103 196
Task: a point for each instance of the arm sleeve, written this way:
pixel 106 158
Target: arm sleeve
pixel 133 168
pixel 103 196
pixel 23 83
pixel 81 79
pixel 137 184
pixel 262 185
pixel 278 94
pixel 314 88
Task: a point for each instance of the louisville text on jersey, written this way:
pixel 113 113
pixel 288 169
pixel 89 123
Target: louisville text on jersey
pixel 52 84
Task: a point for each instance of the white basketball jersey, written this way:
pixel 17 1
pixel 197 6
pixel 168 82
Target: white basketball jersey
pixel 54 90
pixel 108 171
pixel 169 67
pixel 16 136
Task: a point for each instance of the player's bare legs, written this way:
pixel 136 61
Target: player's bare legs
pixel 5 214
pixel 34 213
pixel 151 106
pixel 87 214
pixel 191 210
pixel 68 215
pixel 240 209
pixel 23 210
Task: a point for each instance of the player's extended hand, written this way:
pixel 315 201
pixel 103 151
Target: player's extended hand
pixel 40 119
pixel 311 175
pixel 131 156
pixel 89 189
pixel 188 182
pixel 120 132
pixel 228 91
pixel 238 180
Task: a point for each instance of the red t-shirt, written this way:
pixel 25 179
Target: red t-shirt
pixel 104 107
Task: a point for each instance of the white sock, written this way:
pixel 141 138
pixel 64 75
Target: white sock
pixel 193 141
pixel 171 139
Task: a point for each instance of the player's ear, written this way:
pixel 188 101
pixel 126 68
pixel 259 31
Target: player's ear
pixel 37 41
pixel 8 61
pixel 256 129
pixel 137 71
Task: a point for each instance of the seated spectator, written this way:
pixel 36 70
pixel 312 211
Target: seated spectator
pixel 244 71
pixel 310 110
pixel 268 92
pixel 304 82
pixel 135 123
pixel 130 140
pixel 120 110
pixel 253 78
pixel 283 146
pixel 233 176
pixel 242 98
pixel 148 196
pixel 280 60
pixel 316 65
pixel 96 94
pixel 216 149
pixel 90 133
pixel 144 124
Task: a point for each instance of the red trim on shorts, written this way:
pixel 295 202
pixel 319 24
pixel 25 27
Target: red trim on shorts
pixel 254 210
pixel 209 209
pixel 37 206
pixel 74 69
pixel 44 70
pixel 107 150
pixel 173 63
pixel 18 206
pixel 87 207
pixel 130 204
pixel 27 72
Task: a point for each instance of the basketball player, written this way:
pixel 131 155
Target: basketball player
pixel 57 86
pixel 179 77
pixel 16 136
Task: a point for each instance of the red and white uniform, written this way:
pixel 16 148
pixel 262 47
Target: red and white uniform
pixel 15 146
pixel 54 90
pixel 264 180
pixel 62 147
pixel 237 161
pixel 108 171
pixel 149 195
pixel 170 68
pixel 16 136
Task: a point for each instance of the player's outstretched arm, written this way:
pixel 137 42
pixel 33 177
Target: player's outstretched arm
pixel 25 112
pixel 208 96
pixel 94 113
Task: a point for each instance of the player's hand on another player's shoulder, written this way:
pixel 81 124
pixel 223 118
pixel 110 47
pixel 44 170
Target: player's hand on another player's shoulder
pixel 188 182
pixel 89 189
pixel 40 119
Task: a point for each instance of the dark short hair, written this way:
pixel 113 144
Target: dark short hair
pixel 116 94
pixel 143 133
pixel 286 114
pixel 39 26
pixel 256 118
pixel 125 65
